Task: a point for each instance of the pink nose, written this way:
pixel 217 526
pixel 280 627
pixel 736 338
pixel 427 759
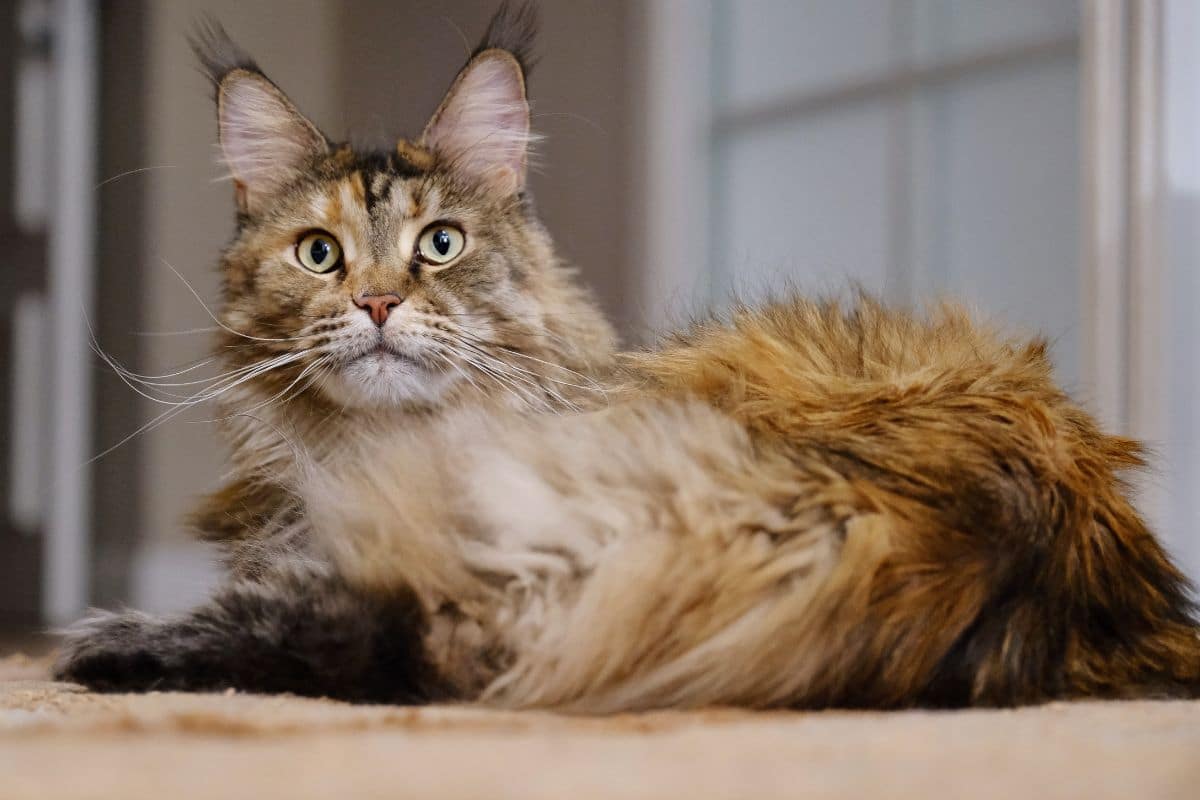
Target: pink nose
pixel 378 305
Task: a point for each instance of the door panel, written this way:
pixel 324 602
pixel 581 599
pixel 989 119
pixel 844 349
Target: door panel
pixel 919 147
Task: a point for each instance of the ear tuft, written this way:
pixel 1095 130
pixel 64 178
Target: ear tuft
pixel 265 141
pixel 482 126
pixel 218 54
pixel 514 29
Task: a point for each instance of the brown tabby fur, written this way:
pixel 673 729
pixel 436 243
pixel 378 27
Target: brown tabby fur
pixel 1013 568
pixel 802 504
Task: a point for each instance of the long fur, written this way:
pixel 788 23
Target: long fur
pixel 802 504
pixel 808 505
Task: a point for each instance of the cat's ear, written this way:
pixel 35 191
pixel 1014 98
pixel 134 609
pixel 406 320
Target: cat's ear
pixel 265 141
pixel 482 125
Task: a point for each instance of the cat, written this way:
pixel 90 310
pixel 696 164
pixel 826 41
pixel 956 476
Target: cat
pixel 450 487
pixel 501 319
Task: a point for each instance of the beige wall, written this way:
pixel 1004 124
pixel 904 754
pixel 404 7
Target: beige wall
pixel 368 70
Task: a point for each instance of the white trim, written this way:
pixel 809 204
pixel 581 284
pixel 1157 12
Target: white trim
pixel 1180 157
pixel 1126 314
pixel 30 393
pixel 1147 373
pixel 1149 325
pixel 674 274
pixel 1104 213
pixel 72 264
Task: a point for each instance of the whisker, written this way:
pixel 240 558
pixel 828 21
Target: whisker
pixel 530 377
pixel 208 393
pixel 593 388
pixel 188 332
pixel 460 371
pixel 297 450
pixel 517 385
pixel 485 343
pixel 303 373
pixel 213 316
pixel 157 382
pixel 214 387
pixel 129 172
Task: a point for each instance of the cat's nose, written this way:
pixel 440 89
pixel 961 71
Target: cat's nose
pixel 378 305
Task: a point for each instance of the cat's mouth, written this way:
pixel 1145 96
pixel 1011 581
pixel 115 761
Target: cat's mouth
pixel 377 371
pixel 382 352
pixel 386 357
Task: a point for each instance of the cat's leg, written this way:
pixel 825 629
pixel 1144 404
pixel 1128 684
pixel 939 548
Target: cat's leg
pixel 296 630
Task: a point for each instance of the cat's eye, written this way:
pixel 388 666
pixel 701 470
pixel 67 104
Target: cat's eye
pixel 318 251
pixel 441 243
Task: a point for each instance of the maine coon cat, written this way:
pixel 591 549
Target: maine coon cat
pixel 448 487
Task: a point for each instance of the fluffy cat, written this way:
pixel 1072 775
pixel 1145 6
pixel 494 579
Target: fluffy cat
pixel 448 488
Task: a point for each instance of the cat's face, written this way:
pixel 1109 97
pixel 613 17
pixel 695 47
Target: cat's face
pixel 389 283
pixel 400 278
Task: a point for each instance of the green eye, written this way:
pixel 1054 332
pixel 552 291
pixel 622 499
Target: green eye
pixel 319 252
pixel 441 243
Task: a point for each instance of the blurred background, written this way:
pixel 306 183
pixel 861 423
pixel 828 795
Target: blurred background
pixel 1038 159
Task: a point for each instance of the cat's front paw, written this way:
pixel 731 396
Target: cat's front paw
pixel 109 651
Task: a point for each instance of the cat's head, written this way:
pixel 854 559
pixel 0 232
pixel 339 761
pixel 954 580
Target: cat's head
pixel 400 278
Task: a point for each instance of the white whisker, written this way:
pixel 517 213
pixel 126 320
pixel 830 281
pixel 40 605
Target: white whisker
pixel 129 172
pixel 214 318
pixel 187 332
pixel 517 385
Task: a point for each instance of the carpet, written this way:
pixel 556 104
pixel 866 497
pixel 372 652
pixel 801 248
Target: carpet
pixel 59 741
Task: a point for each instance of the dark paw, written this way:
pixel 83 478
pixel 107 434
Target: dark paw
pixel 111 652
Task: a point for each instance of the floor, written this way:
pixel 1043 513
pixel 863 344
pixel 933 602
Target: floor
pixel 57 741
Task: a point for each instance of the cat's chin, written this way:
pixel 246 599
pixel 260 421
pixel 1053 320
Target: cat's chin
pixel 383 379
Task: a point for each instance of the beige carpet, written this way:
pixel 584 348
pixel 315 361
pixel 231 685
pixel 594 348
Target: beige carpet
pixel 57 741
